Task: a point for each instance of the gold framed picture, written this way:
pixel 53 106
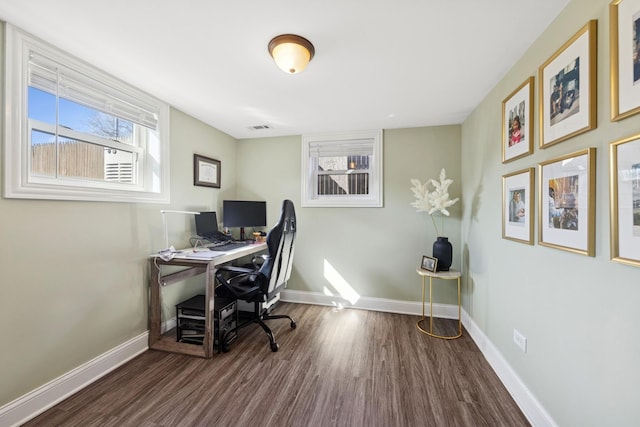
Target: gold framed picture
pixel 624 182
pixel 517 122
pixel 624 58
pixel 567 88
pixel 567 200
pixel 517 206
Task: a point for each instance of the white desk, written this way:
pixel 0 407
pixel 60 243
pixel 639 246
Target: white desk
pixel 194 267
pixel 445 275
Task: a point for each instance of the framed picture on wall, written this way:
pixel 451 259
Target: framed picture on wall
pixel 517 206
pixel 517 122
pixel 206 171
pixel 624 202
pixel 567 200
pixel 567 88
pixel 624 57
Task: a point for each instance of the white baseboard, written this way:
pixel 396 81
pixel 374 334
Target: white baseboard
pixel 44 397
pixel 366 303
pixel 526 401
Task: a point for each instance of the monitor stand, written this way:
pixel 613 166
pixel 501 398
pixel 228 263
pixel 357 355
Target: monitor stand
pixel 243 237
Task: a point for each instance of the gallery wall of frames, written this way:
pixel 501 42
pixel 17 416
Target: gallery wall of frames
pixel 567 107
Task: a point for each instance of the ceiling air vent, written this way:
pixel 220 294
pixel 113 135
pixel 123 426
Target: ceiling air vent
pixel 259 127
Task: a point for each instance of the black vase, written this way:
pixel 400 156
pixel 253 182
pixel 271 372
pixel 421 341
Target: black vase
pixel 443 251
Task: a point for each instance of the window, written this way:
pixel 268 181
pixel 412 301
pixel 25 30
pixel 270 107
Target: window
pixel 75 133
pixel 342 170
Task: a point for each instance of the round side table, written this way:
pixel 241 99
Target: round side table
pixel 444 275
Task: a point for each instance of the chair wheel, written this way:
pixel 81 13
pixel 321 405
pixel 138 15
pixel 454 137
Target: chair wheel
pixel 293 325
pixel 274 347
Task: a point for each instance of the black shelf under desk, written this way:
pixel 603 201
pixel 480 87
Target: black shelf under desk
pixel 190 317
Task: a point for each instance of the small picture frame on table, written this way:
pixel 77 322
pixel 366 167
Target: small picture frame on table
pixel 206 171
pixel 624 58
pixel 429 264
pixel 517 206
pixel 624 203
pixel 567 88
pixel 517 122
pixel 567 202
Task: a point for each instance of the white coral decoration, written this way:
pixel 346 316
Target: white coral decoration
pixel 439 197
pixel 421 193
pixel 434 201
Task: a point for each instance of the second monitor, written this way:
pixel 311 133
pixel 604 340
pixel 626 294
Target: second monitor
pixel 244 213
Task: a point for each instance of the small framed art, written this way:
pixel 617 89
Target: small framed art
pixel 624 200
pixel 429 264
pixel 517 122
pixel 567 201
pixel 517 206
pixel 624 57
pixel 206 171
pixel 567 88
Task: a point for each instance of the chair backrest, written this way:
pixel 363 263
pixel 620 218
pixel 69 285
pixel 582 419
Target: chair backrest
pixel 280 243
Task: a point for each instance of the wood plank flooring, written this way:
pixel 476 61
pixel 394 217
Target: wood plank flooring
pixel 338 368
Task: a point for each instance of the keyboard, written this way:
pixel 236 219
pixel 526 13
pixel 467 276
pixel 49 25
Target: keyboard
pixel 227 246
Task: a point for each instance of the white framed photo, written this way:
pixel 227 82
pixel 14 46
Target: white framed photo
pixel 517 206
pixel 625 200
pixel 567 202
pixel 517 122
pixel 568 88
pixel 624 61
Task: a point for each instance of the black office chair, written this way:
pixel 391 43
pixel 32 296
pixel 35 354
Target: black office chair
pixel 261 283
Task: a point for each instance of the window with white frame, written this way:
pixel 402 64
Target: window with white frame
pixel 74 132
pixel 342 169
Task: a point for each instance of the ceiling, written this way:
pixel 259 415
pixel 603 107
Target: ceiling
pixel 379 63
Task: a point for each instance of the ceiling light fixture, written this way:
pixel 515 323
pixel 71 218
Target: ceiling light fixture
pixel 291 53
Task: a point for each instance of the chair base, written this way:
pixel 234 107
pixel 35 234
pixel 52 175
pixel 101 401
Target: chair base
pixel 258 318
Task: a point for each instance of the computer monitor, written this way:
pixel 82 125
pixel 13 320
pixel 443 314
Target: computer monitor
pixel 244 213
pixel 206 224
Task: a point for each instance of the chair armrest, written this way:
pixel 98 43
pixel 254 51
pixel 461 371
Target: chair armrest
pixel 235 269
pixel 239 282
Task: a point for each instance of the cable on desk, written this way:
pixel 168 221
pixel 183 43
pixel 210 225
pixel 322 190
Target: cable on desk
pixel 164 308
pixel 160 285
pixel 155 262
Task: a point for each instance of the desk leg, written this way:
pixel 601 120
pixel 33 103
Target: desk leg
pixel 154 305
pixel 157 281
pixel 208 312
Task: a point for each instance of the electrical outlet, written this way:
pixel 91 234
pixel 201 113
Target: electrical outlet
pixel 520 340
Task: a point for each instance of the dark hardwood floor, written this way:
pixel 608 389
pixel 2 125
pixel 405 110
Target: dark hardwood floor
pixel 338 368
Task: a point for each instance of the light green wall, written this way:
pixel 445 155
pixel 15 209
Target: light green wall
pixel 579 314
pixel 74 274
pixel 375 250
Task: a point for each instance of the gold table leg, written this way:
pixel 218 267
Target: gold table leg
pixel 430 331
